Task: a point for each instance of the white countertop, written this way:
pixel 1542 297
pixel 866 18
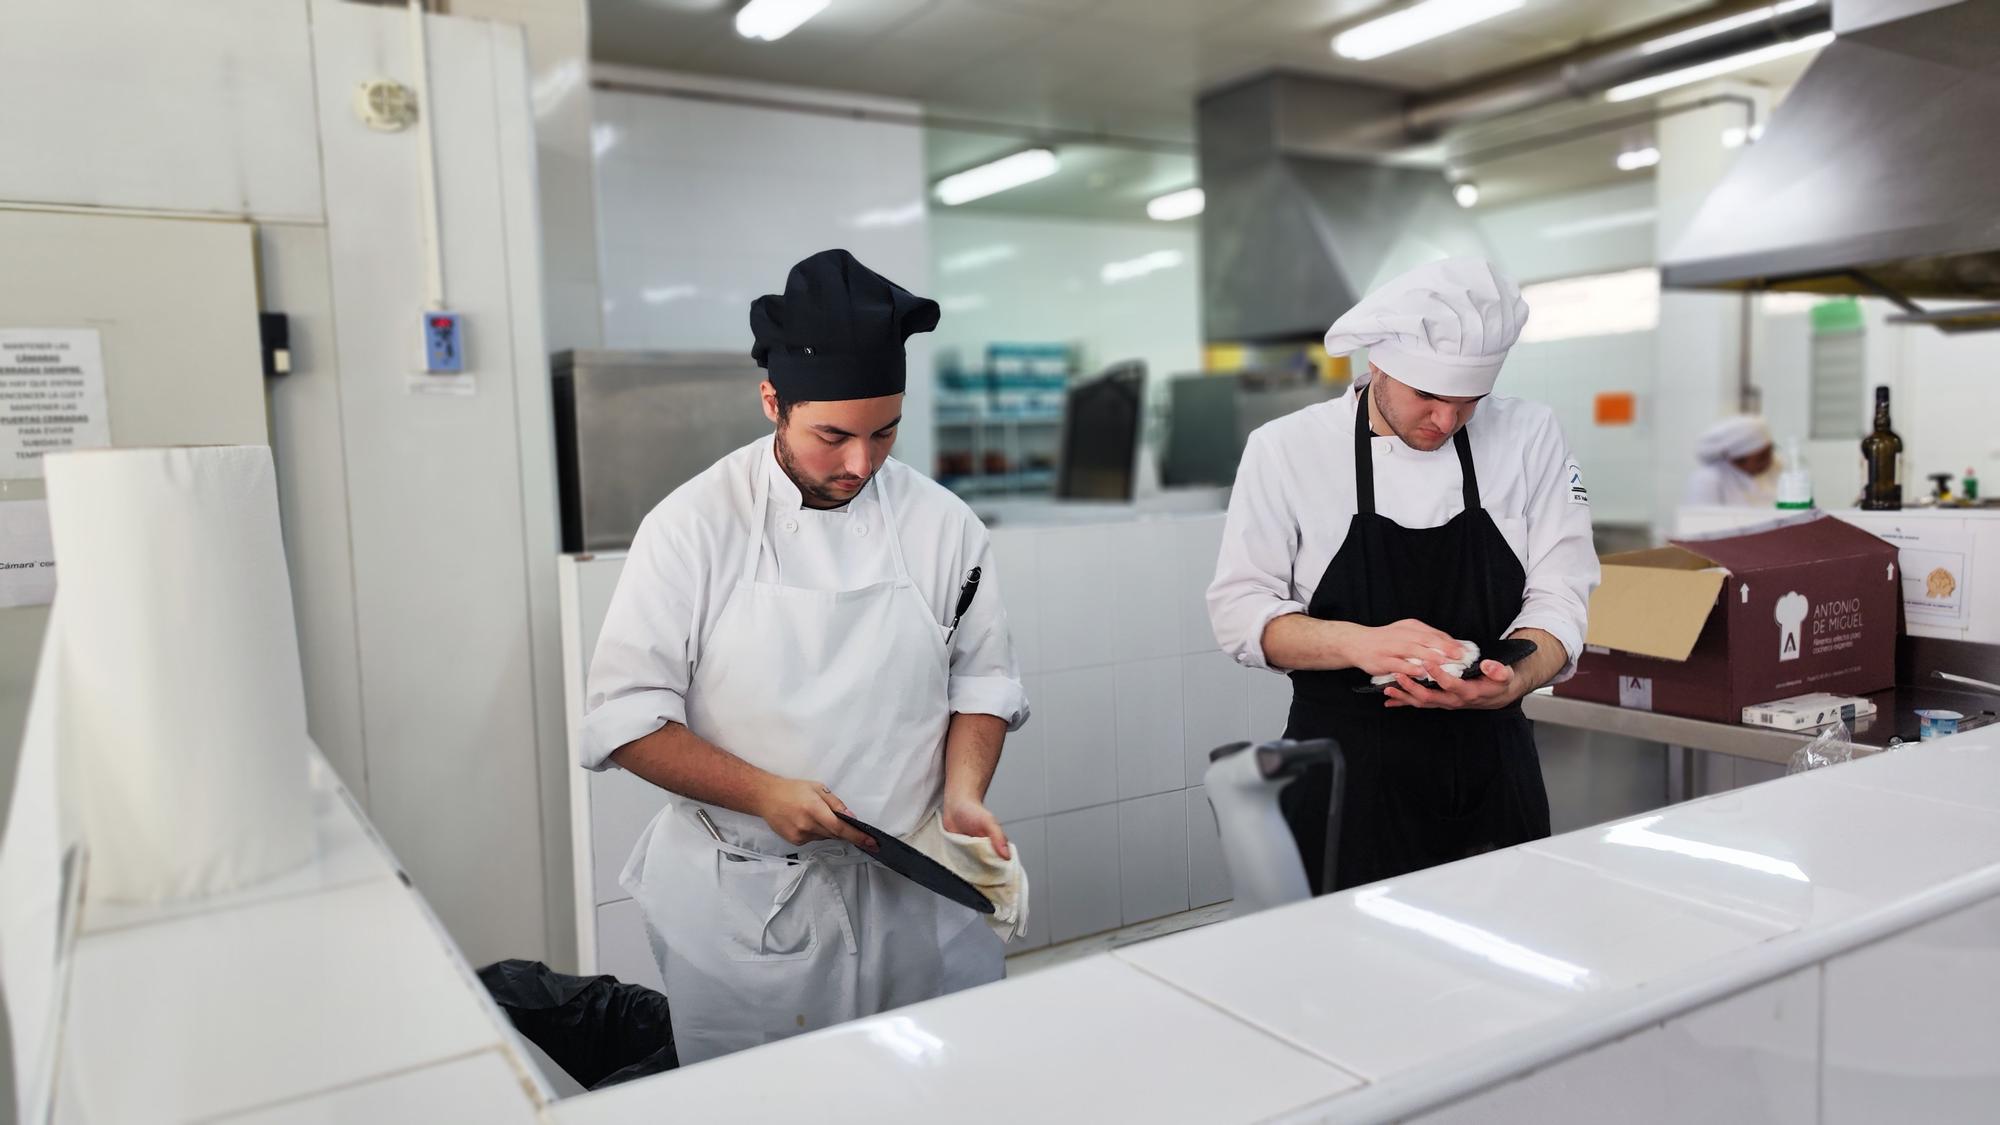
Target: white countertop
pixel 333 996
pixel 328 994
pixel 1369 1002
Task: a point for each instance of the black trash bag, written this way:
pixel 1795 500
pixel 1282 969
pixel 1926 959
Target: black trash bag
pixel 601 1031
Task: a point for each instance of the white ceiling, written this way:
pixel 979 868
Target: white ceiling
pixel 1127 67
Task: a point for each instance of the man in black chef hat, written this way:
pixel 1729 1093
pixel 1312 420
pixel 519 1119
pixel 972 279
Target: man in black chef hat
pixel 780 651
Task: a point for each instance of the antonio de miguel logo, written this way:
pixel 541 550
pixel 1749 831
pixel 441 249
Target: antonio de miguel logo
pixel 1836 624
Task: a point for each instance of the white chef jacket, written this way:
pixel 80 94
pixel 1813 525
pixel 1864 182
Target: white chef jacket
pixel 1294 497
pixel 688 555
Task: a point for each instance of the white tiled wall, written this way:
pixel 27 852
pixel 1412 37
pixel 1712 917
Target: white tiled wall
pixel 1208 878
pixel 1151 758
pixel 1083 875
pixel 1153 856
pixel 1078 709
pixel 1076 571
pixel 1130 695
pixel 1022 790
pixel 1025 278
pixel 1215 706
pixel 1031 836
pixel 702 207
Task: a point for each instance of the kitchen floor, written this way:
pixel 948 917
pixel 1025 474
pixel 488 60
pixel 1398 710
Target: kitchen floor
pixel 1020 964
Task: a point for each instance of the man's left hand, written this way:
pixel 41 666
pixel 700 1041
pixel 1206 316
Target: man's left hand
pixel 969 817
pixel 1495 688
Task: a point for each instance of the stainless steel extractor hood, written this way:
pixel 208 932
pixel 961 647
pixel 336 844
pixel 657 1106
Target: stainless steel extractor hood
pixel 1296 230
pixel 1879 174
pixel 1313 195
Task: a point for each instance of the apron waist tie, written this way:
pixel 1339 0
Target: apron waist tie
pixel 820 862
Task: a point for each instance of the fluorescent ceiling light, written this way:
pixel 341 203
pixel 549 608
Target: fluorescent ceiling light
pixel 1416 24
pixel 1632 160
pixel 1133 268
pixel 772 20
pixel 667 294
pixel 604 137
pixel 1736 136
pixel 1617 220
pixel 1176 205
pixel 1717 27
pixel 889 216
pixel 1466 193
pixel 1787 304
pixel 1000 175
pixel 1674 79
pixel 979 257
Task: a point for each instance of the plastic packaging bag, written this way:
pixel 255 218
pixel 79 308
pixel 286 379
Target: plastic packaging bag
pixel 598 1029
pixel 1833 745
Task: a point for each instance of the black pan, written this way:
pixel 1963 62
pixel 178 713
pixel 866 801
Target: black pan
pixel 919 868
pixel 1510 652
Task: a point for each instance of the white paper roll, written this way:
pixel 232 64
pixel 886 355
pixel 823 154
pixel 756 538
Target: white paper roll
pixel 184 715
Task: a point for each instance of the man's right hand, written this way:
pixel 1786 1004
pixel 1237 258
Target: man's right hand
pixel 803 811
pixel 1388 649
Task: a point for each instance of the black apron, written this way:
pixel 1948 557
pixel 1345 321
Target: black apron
pixel 1423 786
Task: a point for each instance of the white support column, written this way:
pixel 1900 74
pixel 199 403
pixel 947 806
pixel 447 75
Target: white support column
pixel 1702 336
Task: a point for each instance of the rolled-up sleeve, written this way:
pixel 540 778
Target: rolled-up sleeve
pixel 640 670
pixel 1562 560
pixel 1253 573
pixel 985 679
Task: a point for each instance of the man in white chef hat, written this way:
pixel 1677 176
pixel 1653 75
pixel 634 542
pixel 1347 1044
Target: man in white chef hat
pixel 1737 468
pixel 1370 538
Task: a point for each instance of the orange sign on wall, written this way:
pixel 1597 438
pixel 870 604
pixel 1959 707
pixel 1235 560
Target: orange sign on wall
pixel 1615 408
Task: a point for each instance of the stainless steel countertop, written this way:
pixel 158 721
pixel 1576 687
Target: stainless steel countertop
pixel 1757 743
pixel 1895 717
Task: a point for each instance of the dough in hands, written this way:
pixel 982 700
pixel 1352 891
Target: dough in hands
pixel 1455 667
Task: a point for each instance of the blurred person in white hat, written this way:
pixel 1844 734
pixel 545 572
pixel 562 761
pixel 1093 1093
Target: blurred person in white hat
pixel 1737 469
pixel 1370 537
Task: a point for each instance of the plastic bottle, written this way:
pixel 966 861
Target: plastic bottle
pixel 1969 487
pixel 1795 491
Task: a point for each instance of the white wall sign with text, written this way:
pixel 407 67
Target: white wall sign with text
pixel 51 396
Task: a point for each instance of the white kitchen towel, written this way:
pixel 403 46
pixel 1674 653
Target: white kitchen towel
pixel 974 859
pixel 182 708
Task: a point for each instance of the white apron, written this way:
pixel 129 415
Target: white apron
pixel 758 939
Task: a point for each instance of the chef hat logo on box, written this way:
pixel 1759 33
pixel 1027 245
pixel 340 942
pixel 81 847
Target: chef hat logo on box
pixel 1791 616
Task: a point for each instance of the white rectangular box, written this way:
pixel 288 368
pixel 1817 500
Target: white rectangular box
pixel 1804 712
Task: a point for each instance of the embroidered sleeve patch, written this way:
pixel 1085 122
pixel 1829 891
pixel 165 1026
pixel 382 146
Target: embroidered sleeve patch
pixel 1577 493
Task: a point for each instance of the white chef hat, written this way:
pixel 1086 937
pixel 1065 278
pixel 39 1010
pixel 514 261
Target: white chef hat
pixel 1739 435
pixel 1443 328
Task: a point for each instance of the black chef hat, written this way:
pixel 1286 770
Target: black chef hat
pixel 838 331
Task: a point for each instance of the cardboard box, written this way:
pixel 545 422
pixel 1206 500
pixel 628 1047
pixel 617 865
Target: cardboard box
pixel 1706 627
